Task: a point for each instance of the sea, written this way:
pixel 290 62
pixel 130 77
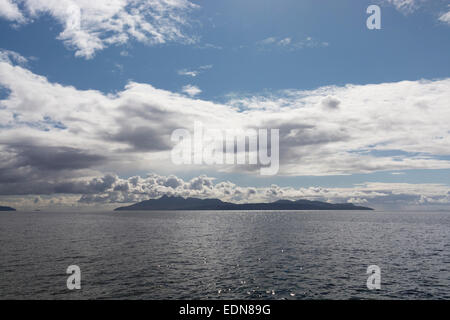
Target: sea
pixel 225 254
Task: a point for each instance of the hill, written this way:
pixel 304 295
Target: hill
pixel 179 203
pixel 2 208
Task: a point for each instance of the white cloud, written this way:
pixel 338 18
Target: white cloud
pixel 113 190
pixel 194 72
pixel 191 90
pixel 405 6
pixel 10 11
pixel 267 41
pixel 285 41
pixel 186 72
pixel 392 195
pixel 91 26
pixel 9 56
pixel 409 6
pixel 288 43
pixel 445 17
pixel 50 133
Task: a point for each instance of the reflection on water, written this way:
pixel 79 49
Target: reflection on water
pixel 225 255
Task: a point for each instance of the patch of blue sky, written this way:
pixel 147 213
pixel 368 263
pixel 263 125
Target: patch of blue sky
pixel 408 47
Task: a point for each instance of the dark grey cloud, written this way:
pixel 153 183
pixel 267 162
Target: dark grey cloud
pixel 144 127
pixel 142 139
pixel 331 103
pixel 41 186
pixel 54 158
pixel 35 169
pixel 93 186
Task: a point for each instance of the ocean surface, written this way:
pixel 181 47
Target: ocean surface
pixel 225 255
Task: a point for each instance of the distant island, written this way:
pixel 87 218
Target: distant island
pixel 2 208
pixel 179 203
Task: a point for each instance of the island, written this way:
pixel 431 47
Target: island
pixel 2 208
pixel 179 203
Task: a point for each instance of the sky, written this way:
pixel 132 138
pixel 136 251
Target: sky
pixel 91 91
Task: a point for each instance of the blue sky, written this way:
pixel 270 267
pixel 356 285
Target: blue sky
pixel 409 47
pixel 234 53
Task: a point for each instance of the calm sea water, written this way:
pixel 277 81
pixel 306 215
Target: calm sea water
pixel 225 255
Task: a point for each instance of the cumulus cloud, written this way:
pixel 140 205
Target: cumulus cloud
pixel 112 190
pixel 91 26
pixel 191 90
pixel 367 132
pixel 10 11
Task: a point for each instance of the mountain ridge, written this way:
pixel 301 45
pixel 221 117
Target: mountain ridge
pixel 166 203
pixel 3 208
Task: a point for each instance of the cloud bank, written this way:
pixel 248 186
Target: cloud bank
pixel 110 191
pixel 56 139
